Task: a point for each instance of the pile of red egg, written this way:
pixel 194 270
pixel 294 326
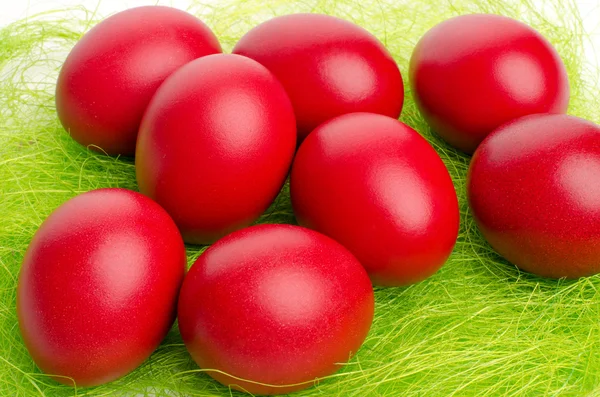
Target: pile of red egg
pixel 270 308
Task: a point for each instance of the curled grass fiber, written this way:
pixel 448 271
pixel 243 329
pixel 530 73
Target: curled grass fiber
pixel 479 327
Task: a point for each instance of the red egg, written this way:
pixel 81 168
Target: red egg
pixel 98 287
pixel 376 186
pixel 111 74
pixel 271 308
pixel 534 191
pixel 328 66
pixel 473 73
pixel 215 145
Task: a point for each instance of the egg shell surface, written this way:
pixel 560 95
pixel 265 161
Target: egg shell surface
pixel 215 145
pixel 271 308
pixel 98 287
pixel 534 191
pixel 110 75
pixel 327 65
pixel 473 73
pixel 376 186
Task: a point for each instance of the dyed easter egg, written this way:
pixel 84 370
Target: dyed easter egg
pixel 473 73
pixel 98 287
pixel 215 145
pixel 271 308
pixel 328 67
pixel 110 75
pixel 534 191
pixel 376 186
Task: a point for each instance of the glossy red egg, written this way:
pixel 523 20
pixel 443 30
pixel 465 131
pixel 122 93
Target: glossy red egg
pixel 215 145
pixel 534 191
pixel 111 74
pixel 327 65
pixel 376 186
pixel 98 287
pixel 275 307
pixel 473 73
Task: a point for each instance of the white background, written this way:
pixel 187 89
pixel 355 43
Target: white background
pixel 12 10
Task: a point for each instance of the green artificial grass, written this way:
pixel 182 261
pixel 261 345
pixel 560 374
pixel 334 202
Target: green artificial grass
pixel 479 327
